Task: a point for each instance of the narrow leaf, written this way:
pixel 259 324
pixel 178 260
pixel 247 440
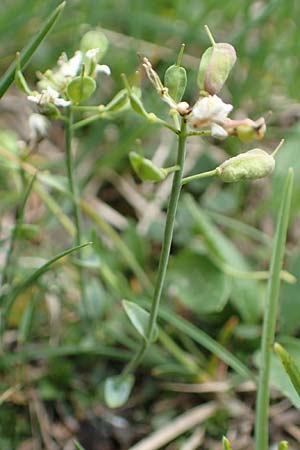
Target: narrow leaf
pixel 27 52
pixel 117 390
pixel 226 444
pixel 139 318
pixel 206 341
pixel 78 446
pixel 12 296
pixel 289 365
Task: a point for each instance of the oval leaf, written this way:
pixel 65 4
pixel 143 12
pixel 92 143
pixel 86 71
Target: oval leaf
pixel 117 390
pixel 198 283
pixel 139 319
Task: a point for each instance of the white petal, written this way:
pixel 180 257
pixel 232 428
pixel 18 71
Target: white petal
pixel 71 67
pixel 92 53
pixel 218 132
pixel 52 92
pixel 62 102
pixel 34 98
pixel 102 68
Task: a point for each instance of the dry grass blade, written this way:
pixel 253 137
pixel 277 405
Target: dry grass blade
pixel 183 423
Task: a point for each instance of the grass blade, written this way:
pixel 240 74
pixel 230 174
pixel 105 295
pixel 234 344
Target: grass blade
pixel 27 52
pixel 12 296
pixel 271 307
pixel 289 366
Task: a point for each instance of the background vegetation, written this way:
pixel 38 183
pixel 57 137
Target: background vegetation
pixel 52 376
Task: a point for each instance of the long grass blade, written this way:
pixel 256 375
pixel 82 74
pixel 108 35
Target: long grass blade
pixel 27 52
pixel 23 285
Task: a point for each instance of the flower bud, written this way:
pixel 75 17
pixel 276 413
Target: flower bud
pixel 94 39
pixel 176 80
pixel 215 66
pixel 251 165
pixel 80 89
pixel 252 130
pixel 145 169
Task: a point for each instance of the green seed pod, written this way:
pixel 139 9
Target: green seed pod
pixel 283 445
pixel 215 66
pixel 118 102
pixel 27 231
pixel 251 165
pixel 137 105
pixel 145 169
pixel 19 78
pixel 94 39
pixel 176 81
pixel 80 89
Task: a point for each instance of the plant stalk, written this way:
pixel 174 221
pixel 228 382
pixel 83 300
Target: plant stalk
pixel 165 251
pixel 269 323
pixel 76 207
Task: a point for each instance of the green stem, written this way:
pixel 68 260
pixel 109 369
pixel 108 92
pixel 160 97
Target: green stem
pixel 165 251
pixel 76 207
pixel 199 176
pixel 6 275
pixel 269 323
pixel 199 133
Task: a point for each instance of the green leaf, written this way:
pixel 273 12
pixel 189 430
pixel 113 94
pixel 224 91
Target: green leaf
pixel 278 375
pixel 27 52
pixel 206 341
pixel 117 390
pixel 289 365
pixel 78 446
pixel 198 283
pixel 12 296
pixel 139 319
pixel 245 294
pixel 80 89
pixel 289 299
pixel 226 444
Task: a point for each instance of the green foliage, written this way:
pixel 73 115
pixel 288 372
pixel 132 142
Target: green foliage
pixel 117 390
pixel 223 234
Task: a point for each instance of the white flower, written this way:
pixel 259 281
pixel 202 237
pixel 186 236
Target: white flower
pixel 102 68
pixel 38 126
pixel 210 111
pixel 46 96
pixel 69 68
pixel 92 53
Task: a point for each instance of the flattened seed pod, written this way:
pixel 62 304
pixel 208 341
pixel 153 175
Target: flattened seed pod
pixel 145 169
pixel 215 66
pixel 250 165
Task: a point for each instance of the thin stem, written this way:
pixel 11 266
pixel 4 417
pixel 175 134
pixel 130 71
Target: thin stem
pixel 210 36
pixel 180 55
pixel 6 275
pixel 88 120
pixel 76 207
pixel 199 176
pixel 269 323
pixel 199 133
pixel 165 251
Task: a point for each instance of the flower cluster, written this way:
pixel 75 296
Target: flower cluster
pixel 73 79
pixel 209 113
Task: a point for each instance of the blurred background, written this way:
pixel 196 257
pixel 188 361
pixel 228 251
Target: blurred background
pixel 52 378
